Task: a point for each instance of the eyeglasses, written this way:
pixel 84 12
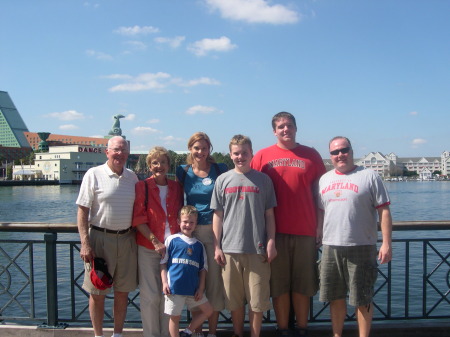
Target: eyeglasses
pixel 116 150
pixel 343 150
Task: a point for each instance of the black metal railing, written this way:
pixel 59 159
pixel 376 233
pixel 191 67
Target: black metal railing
pixel 40 280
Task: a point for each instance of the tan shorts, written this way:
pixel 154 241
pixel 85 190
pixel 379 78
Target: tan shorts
pixel 214 283
pixel 174 304
pixel 295 267
pixel 120 254
pixel 246 280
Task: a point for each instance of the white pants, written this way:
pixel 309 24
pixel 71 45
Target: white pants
pixel 155 322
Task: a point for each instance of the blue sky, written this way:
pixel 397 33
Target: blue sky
pixel 375 71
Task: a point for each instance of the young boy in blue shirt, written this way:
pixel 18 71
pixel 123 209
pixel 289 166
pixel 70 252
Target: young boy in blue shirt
pixel 183 273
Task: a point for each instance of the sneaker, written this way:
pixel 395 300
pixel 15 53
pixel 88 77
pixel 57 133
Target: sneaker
pixel 198 334
pixel 211 335
pixel 283 333
pixel 301 332
pixel 185 334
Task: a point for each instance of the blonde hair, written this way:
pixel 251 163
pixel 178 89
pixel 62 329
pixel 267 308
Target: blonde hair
pixel 156 152
pixel 240 140
pixel 196 137
pixel 188 210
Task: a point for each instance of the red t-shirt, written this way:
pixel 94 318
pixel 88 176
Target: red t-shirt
pixel 295 174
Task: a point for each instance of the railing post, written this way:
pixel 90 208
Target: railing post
pixel 52 286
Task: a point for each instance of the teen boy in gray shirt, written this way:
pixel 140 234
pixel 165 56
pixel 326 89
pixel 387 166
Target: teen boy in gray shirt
pixel 244 230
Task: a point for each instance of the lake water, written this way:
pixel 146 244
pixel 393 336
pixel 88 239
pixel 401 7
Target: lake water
pixel 56 204
pixel 419 200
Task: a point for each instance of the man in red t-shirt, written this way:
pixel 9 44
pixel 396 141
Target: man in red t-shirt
pixel 295 171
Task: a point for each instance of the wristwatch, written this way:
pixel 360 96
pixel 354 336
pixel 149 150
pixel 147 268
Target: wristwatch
pixel 152 237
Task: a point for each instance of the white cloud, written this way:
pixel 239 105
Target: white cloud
pixel 254 11
pixel 201 109
pixel 68 127
pixel 153 121
pixel 156 82
pixel 418 141
pixel 197 81
pixel 202 47
pixel 89 4
pixel 413 113
pixel 69 115
pixel 202 80
pixel 136 30
pixel 118 77
pixel 130 117
pixel 170 140
pixel 137 45
pixel 174 42
pixel 144 130
pixel 98 55
pixel 147 81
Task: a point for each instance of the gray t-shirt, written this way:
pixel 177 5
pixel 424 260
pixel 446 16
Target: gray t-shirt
pixel 243 198
pixel 350 202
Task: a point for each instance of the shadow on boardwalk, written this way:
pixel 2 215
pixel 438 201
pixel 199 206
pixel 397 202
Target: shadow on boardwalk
pixel 432 328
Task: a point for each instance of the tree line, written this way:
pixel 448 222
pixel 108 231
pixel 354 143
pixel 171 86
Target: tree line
pixel 138 162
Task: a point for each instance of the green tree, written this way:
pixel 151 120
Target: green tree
pixel 179 159
pixel 9 172
pixel 173 160
pixel 407 173
pixel 141 165
pixel 226 159
pixel 29 160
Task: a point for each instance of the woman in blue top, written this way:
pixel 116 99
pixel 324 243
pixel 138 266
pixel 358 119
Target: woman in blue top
pixel 198 178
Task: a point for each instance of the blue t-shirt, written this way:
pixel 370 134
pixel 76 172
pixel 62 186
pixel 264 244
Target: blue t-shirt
pixel 185 258
pixel 199 190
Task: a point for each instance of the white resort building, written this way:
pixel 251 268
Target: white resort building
pixel 68 164
pixel 392 166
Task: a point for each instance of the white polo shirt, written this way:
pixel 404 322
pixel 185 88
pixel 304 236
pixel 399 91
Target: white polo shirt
pixel 108 196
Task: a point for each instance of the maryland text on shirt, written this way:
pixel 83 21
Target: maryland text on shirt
pixel 291 162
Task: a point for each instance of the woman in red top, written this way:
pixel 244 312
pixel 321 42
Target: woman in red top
pixel 158 200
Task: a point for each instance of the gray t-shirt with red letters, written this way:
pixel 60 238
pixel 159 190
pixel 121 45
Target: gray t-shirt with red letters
pixel 350 202
pixel 243 198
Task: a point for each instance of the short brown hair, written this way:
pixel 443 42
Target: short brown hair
pixel 240 140
pixel 188 210
pixel 155 152
pixel 283 114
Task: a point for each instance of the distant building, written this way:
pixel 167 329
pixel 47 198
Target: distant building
pixel 376 161
pixel 393 166
pixel 13 144
pixel 58 140
pixel 68 164
pixel 12 125
pixel 58 157
pixel 445 163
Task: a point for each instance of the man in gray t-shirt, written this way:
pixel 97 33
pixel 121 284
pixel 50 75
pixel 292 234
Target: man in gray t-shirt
pixel 351 198
pixel 244 231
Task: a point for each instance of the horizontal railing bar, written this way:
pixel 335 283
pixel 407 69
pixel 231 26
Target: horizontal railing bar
pixel 72 227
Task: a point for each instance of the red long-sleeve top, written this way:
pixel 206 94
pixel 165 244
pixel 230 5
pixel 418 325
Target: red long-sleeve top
pixel 153 215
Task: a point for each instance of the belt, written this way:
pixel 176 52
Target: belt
pixel 111 231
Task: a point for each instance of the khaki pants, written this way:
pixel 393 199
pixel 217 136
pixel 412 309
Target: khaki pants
pixel 155 323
